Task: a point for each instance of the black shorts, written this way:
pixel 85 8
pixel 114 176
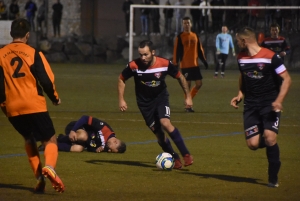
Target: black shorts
pixel 155 111
pixel 257 119
pixel 38 124
pixel 192 74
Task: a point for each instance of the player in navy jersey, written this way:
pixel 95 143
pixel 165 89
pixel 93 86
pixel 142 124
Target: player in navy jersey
pixel 149 72
pixel 275 42
pixel 264 83
pixel 89 133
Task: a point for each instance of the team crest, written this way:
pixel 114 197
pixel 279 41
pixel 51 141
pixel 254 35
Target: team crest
pixel 260 66
pixel 157 75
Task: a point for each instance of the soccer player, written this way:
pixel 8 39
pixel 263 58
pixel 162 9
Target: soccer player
pixel 264 83
pixel 223 43
pixel 24 75
pixel 187 50
pixel 91 133
pixel 149 72
pixel 276 43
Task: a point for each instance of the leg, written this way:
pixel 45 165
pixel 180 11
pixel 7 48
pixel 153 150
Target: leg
pixel 195 89
pixel 224 58
pixel 219 63
pixel 177 139
pixel 272 151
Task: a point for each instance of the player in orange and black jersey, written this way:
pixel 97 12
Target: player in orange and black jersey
pixel 276 43
pixel 149 72
pixel 24 75
pixel 91 133
pixel 187 51
pixel 264 82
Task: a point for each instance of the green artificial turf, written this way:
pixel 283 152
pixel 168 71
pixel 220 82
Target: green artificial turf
pixel 224 168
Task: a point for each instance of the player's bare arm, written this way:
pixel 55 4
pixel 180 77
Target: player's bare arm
pixel 184 85
pixel 121 90
pixel 277 104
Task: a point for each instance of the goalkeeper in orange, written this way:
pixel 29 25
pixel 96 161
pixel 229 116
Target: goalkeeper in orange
pixel 187 51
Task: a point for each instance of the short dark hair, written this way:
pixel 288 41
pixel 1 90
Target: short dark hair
pixel 148 43
pixel 122 147
pixel 274 25
pixel 186 18
pixel 19 28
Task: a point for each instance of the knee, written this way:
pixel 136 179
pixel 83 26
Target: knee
pixel 252 146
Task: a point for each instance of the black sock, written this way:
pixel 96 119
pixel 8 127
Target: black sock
pixel 167 147
pixel 274 162
pixel 177 139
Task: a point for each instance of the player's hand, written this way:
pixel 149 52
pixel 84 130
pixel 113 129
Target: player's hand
pixel 58 103
pixel 235 101
pixel 73 136
pixel 99 149
pixel 282 54
pixel 233 53
pixel 188 102
pixel 218 52
pixel 277 107
pixel 122 105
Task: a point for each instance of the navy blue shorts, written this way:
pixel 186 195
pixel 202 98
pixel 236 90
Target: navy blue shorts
pixel 192 74
pixel 155 111
pixel 257 119
pixel 38 124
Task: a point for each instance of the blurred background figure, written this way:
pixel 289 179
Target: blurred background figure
pixel 155 16
pixel 41 18
pixel 179 14
pixel 56 17
pixel 253 14
pixel 168 14
pixel 144 18
pixel 196 13
pixel 126 10
pixel 205 15
pixel 217 15
pixel 13 10
pixel 30 8
pixel 3 11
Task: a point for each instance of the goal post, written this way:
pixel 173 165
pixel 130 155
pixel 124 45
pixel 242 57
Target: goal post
pixel 135 6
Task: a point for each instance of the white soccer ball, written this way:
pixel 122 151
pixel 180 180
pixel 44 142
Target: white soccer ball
pixel 164 161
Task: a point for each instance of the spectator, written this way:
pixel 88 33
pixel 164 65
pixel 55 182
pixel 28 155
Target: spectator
pixel 242 15
pixel 41 17
pixel 168 13
pixel 56 17
pixel 179 13
pixel 154 14
pixel 217 15
pixel 278 14
pixel 3 11
pixel 269 13
pixel 126 10
pixel 231 16
pixel 145 18
pixel 196 13
pixel 205 15
pixel 13 10
pixel 295 15
pixel 30 8
pixel 253 14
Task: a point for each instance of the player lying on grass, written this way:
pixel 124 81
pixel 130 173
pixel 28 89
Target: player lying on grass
pixel 91 134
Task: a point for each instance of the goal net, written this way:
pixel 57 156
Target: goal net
pixel 234 17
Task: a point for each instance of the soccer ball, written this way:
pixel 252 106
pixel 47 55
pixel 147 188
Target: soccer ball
pixel 164 161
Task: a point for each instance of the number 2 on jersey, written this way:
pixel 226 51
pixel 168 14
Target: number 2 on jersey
pixel 16 73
